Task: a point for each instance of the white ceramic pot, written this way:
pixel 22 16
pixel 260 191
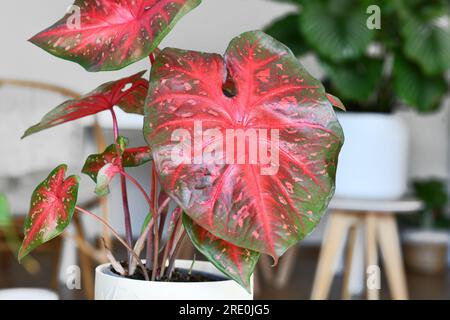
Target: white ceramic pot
pixel 373 163
pixel 109 286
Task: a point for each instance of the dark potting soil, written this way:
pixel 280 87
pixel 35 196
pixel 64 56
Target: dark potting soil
pixel 178 275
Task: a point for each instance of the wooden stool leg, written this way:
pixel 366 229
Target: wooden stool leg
pixel 337 227
pixel 371 250
pixel 392 256
pixel 351 243
pixel 287 264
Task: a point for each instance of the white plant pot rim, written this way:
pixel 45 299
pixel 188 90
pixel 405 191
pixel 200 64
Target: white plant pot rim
pixel 112 286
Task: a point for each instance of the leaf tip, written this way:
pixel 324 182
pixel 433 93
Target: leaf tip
pixel 336 102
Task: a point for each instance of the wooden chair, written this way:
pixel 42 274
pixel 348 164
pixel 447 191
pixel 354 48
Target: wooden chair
pixel 17 99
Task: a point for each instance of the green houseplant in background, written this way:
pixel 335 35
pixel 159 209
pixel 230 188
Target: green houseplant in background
pixel 376 56
pixel 10 236
pixel 426 239
pixel 233 206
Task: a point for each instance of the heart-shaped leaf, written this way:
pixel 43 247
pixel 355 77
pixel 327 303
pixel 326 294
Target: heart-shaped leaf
pixel 336 29
pixel 428 43
pixel 240 195
pixel 52 207
pixel 128 93
pixel 103 35
pixel 238 263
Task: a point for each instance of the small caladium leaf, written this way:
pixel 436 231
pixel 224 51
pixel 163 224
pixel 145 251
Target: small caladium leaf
pixel 103 35
pixel 112 155
pixel 52 207
pixel 128 93
pixel 237 263
pixel 135 157
pixel 254 164
pixel 105 177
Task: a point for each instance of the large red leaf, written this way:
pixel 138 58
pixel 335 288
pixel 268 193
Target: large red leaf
pixel 266 88
pixel 128 93
pixel 238 263
pixel 52 206
pixel 112 34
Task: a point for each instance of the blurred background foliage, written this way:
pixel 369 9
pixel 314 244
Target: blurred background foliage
pixel 9 232
pixel 373 70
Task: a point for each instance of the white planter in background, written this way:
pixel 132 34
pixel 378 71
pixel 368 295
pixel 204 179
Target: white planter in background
pixel 109 286
pixel 373 163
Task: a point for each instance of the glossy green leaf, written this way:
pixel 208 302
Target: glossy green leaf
pixel 428 43
pixel 336 29
pixel 51 210
pixel 237 263
pixel 287 30
pixel 416 89
pixel 356 80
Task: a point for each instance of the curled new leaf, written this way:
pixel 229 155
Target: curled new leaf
pixel 128 93
pixel 104 178
pixel 104 166
pixel 112 155
pixel 238 263
pixel 211 146
pixel 103 35
pixel 52 207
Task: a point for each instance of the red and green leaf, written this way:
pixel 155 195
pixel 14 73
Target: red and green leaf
pixel 104 178
pixel 238 263
pixel 112 34
pixel 52 207
pixel 267 88
pixel 128 93
pixel 135 157
pixel 112 155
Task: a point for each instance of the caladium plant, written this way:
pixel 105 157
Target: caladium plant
pixel 243 147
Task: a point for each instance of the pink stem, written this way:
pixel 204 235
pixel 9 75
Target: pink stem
pixel 139 186
pixel 155 225
pixel 115 124
pixel 116 234
pixel 123 184
pixel 152 58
